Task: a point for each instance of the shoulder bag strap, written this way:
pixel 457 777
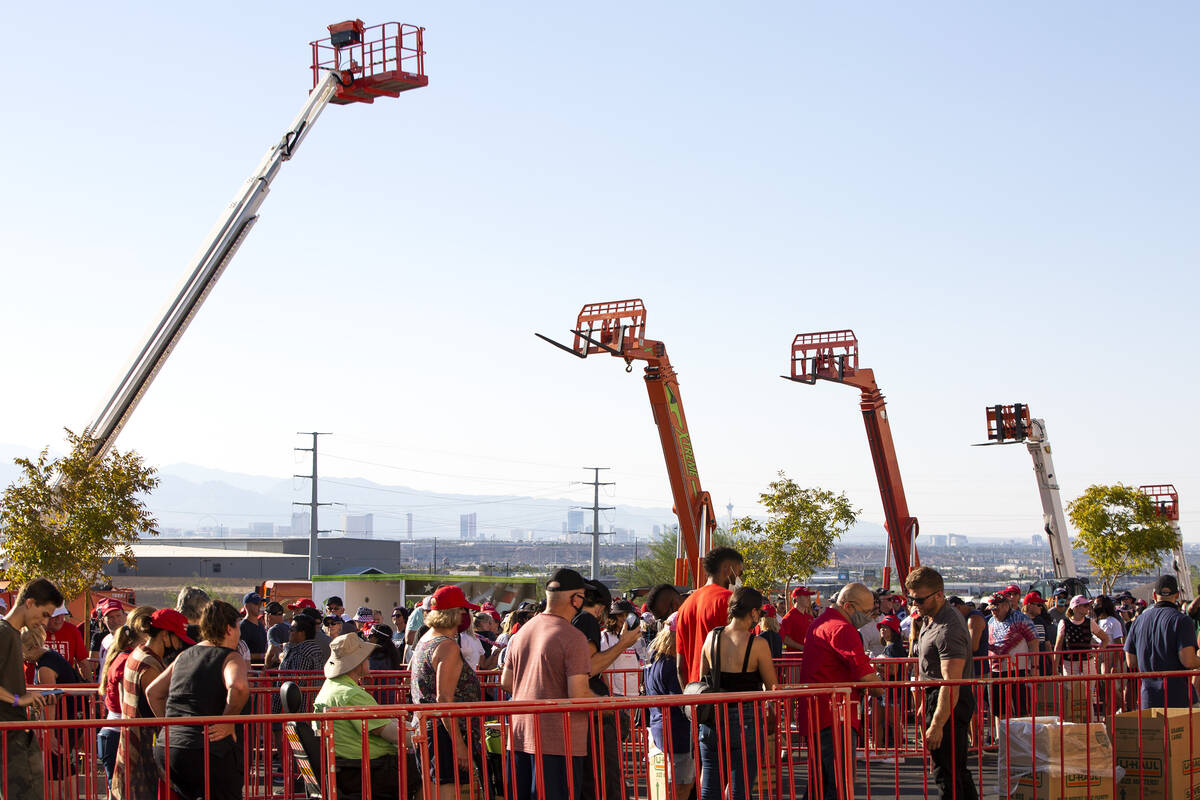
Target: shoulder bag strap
pixel 716 659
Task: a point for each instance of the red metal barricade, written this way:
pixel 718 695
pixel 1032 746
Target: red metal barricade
pixel 1032 734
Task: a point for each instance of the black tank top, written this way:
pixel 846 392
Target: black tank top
pixel 1078 637
pixel 742 681
pixel 64 673
pixel 197 690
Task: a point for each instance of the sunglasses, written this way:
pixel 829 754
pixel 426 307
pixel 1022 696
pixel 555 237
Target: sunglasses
pixel 916 601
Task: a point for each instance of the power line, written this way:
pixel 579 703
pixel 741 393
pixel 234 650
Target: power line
pixel 596 509
pixel 313 531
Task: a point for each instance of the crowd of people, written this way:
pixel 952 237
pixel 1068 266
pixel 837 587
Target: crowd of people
pixel 195 660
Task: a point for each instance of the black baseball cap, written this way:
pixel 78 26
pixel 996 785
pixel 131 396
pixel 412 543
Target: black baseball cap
pixel 565 580
pixel 954 600
pixel 1166 585
pixel 597 594
pixel 274 607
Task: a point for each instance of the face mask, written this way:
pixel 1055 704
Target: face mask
pixel 737 582
pixel 858 618
pixel 464 623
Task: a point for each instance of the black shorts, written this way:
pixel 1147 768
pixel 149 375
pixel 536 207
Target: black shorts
pixel 443 767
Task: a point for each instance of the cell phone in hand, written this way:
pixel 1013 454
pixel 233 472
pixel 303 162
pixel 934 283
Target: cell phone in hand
pixel 633 621
pixel 52 693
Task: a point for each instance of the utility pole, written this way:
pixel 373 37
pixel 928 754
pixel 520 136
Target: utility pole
pixel 313 505
pixel 596 509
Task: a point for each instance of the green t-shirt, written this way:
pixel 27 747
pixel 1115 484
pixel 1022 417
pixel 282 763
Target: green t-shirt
pixel 347 733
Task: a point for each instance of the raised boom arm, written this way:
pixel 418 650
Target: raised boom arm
pixel 618 328
pixel 833 356
pixel 356 64
pixel 1166 500
pixel 1012 424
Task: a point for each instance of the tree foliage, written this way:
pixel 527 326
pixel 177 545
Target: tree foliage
pixel 657 564
pixel 798 537
pixel 1120 530
pixel 67 532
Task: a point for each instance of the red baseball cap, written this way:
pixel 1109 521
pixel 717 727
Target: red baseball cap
pixel 448 597
pixel 803 591
pixel 302 603
pixel 1012 588
pixel 999 597
pixel 768 610
pixel 890 621
pixel 1034 597
pixel 107 606
pixel 168 619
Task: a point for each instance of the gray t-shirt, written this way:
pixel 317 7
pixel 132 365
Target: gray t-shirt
pixel 12 671
pixel 943 636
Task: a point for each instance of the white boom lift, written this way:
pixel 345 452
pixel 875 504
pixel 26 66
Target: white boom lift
pixel 1166 501
pixel 355 64
pixel 1012 425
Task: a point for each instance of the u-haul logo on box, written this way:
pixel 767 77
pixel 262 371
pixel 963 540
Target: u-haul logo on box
pixel 1141 767
pixel 1078 780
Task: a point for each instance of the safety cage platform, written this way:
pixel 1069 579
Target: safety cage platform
pixel 379 61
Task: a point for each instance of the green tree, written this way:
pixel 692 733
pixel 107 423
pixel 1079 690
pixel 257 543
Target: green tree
pixel 657 564
pixel 64 518
pixel 798 537
pixel 1120 530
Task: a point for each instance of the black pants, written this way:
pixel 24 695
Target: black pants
pixel 950 769
pixel 226 772
pixel 605 757
pixel 385 777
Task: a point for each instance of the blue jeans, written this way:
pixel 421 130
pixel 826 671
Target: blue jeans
pixel 107 742
pixel 734 747
pixel 554 774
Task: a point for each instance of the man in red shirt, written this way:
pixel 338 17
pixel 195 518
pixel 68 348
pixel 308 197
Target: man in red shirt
pixel 833 653
pixel 794 624
pixel 705 609
pixel 66 640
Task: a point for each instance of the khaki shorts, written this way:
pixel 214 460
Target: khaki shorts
pixel 21 773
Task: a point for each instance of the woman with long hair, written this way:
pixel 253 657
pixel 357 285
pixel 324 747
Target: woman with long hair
pixel 729 747
pixel 162 632
pixel 662 678
pixel 209 679
pixel 109 679
pixel 442 676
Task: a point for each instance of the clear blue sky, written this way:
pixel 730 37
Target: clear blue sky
pixel 1000 200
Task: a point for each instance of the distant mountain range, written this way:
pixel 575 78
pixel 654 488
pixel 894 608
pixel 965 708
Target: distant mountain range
pixel 191 497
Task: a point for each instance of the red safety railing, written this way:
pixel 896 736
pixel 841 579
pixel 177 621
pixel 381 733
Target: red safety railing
pixel 750 744
pixel 384 49
pixel 1031 734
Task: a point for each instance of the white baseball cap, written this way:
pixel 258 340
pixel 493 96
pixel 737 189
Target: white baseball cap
pixel 61 611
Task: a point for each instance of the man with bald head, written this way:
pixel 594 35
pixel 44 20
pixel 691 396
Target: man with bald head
pixel 834 653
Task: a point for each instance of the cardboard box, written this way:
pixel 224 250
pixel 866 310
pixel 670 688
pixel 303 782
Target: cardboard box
pixel 1159 750
pixel 1054 784
pixel 1071 700
pixel 1032 747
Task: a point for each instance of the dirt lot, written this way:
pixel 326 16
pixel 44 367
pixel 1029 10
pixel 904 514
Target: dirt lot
pixel 162 592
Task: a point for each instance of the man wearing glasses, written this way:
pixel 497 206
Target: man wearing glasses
pixel 943 649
